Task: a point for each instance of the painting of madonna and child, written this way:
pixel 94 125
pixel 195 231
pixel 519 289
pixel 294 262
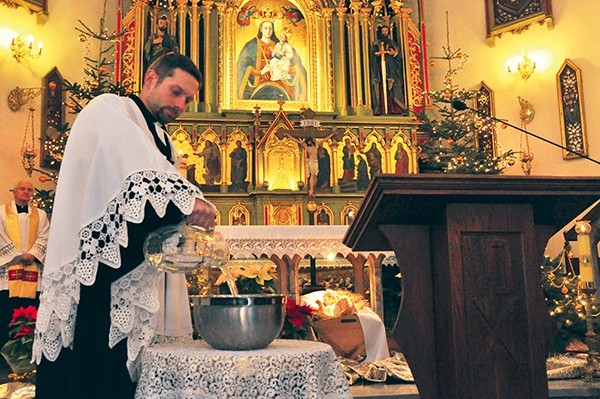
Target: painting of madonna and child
pixel 273 49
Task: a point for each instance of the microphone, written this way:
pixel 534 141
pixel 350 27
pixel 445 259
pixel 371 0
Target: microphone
pixel 461 106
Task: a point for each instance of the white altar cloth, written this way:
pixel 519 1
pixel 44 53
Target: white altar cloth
pixel 317 241
pixel 291 369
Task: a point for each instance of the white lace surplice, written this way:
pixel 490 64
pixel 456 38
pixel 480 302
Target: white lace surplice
pixel 111 169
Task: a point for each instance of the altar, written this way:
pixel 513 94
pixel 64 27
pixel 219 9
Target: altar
pixel 187 369
pixel 286 246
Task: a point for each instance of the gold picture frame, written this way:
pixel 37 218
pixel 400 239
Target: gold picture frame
pixel 570 107
pixel 311 83
pixel 515 16
pixel 33 6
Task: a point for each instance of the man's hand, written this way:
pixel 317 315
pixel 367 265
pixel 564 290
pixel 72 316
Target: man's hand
pixel 202 215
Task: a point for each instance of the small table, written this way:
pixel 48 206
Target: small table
pixel 285 369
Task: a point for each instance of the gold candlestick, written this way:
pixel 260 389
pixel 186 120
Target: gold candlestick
pixel 591 369
pixel 587 290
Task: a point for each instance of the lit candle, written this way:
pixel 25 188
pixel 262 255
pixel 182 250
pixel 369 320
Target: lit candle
pixel 584 246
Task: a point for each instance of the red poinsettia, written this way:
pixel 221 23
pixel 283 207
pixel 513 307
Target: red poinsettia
pixel 17 351
pixel 297 320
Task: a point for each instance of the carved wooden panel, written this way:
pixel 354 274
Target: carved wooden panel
pixel 484 103
pixel 497 327
pixel 570 107
pixel 53 137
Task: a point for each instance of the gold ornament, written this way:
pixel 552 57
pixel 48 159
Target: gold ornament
pixel 82 38
pixel 450 141
pixel 527 112
pixel 564 290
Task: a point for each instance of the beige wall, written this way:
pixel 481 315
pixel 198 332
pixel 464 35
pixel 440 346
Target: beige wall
pixel 62 48
pixel 574 36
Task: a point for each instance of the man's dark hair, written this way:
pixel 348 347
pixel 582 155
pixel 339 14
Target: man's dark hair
pixel 165 66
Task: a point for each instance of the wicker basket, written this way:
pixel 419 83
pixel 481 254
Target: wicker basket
pixel 344 334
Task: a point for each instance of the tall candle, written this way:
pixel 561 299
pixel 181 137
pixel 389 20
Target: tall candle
pixel 585 257
pixel 584 246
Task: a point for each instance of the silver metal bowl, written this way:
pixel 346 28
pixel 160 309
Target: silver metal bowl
pixel 242 322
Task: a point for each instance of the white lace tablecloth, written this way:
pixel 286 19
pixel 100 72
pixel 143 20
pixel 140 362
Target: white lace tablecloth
pixel 285 369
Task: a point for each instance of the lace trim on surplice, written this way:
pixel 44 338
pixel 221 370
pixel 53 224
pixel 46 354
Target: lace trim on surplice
pixel 133 297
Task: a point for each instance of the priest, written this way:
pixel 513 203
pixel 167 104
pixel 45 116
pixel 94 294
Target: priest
pixel 100 305
pixel 23 237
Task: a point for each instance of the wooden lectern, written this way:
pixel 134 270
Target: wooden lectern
pixel 473 321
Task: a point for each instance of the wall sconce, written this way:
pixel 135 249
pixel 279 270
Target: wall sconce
pixel 525 67
pixel 22 47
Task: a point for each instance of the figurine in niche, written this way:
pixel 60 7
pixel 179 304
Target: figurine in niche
pixel 348 163
pixel 239 218
pixel 387 73
pixel 212 162
pixel 239 167
pixel 323 178
pixel 190 170
pixel 401 158
pixel 323 218
pixel 349 218
pixel 374 165
pixel 160 42
pixel 374 160
pixel 362 181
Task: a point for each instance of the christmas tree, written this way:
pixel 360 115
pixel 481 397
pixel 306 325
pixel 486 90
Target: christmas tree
pixel 99 70
pixel 564 302
pixel 451 141
pixel 98 79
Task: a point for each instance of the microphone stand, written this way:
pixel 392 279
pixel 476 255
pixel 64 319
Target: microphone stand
pixel 460 106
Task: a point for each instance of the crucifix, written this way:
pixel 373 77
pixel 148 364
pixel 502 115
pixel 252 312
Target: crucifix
pixel 382 53
pixel 313 136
